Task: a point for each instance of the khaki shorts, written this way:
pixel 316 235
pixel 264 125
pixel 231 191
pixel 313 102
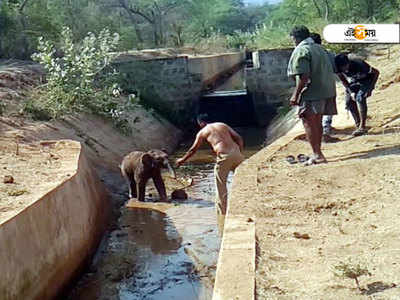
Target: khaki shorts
pixel 320 107
pixel 225 163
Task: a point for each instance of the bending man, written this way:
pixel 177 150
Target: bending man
pixel 362 78
pixel 227 145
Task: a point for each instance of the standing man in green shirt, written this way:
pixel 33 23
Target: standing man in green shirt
pixel 315 91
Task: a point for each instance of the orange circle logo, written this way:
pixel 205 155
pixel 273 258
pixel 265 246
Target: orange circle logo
pixel 360 32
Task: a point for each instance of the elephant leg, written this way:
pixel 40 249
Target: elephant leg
pixel 131 185
pixel 132 188
pixel 141 185
pixel 159 183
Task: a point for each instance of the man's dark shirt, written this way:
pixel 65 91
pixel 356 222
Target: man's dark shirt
pixel 359 71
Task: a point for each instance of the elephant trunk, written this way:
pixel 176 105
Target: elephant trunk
pixel 170 169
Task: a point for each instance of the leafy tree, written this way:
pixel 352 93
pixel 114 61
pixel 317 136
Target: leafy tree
pixel 154 13
pixel 239 17
pixel 159 23
pixel 204 15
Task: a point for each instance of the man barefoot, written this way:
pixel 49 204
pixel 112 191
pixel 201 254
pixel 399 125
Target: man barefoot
pixel 315 92
pixel 227 145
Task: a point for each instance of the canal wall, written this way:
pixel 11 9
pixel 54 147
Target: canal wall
pixel 174 85
pixel 267 82
pixel 46 244
pixel 214 69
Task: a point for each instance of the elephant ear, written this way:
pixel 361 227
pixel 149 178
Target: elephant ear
pixel 147 160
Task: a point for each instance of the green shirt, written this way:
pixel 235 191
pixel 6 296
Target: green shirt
pixel 310 58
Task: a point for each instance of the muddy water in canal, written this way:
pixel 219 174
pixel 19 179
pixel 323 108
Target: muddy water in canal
pixel 162 251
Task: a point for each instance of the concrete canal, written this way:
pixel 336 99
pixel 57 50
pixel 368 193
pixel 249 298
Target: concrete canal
pixel 161 251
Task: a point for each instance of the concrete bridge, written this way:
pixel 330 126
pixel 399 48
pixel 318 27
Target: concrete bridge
pixel 182 85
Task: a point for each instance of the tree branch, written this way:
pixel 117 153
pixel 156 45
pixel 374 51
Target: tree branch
pixel 21 8
pixel 136 11
pixel 317 7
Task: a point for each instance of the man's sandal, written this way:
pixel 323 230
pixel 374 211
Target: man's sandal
pixel 359 131
pixel 290 159
pixel 302 158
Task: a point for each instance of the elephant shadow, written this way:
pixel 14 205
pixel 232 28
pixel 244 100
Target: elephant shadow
pixel 151 228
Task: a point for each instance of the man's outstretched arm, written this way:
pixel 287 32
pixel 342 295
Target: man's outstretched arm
pixel 344 81
pixel 196 144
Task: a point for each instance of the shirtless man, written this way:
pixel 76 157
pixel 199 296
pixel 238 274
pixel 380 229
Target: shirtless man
pixel 227 145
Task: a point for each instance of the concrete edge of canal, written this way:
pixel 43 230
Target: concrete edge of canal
pixel 235 276
pixel 41 254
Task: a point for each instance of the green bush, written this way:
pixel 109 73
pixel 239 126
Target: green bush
pixel 37 110
pixel 79 77
pixel 350 270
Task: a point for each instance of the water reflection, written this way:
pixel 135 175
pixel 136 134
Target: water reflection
pixel 151 229
pixel 165 270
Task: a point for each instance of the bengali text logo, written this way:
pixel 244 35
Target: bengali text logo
pixel 362 33
pixel 359 32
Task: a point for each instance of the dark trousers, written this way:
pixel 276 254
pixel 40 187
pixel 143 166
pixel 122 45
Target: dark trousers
pixel 357 107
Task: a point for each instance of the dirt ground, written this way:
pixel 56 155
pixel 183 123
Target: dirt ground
pixel 28 168
pixel 28 171
pixel 316 225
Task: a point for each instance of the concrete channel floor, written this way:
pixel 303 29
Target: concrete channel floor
pixel 311 221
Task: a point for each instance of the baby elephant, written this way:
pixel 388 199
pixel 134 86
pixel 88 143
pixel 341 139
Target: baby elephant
pixel 138 167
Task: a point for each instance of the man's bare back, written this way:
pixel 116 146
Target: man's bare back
pixel 221 137
pixel 228 145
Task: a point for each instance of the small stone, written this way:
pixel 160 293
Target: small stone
pixel 8 179
pixel 303 236
pixel 250 220
pixel 53 156
pixel 179 194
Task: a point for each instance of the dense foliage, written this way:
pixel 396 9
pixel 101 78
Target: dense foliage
pixel 80 78
pixel 177 23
